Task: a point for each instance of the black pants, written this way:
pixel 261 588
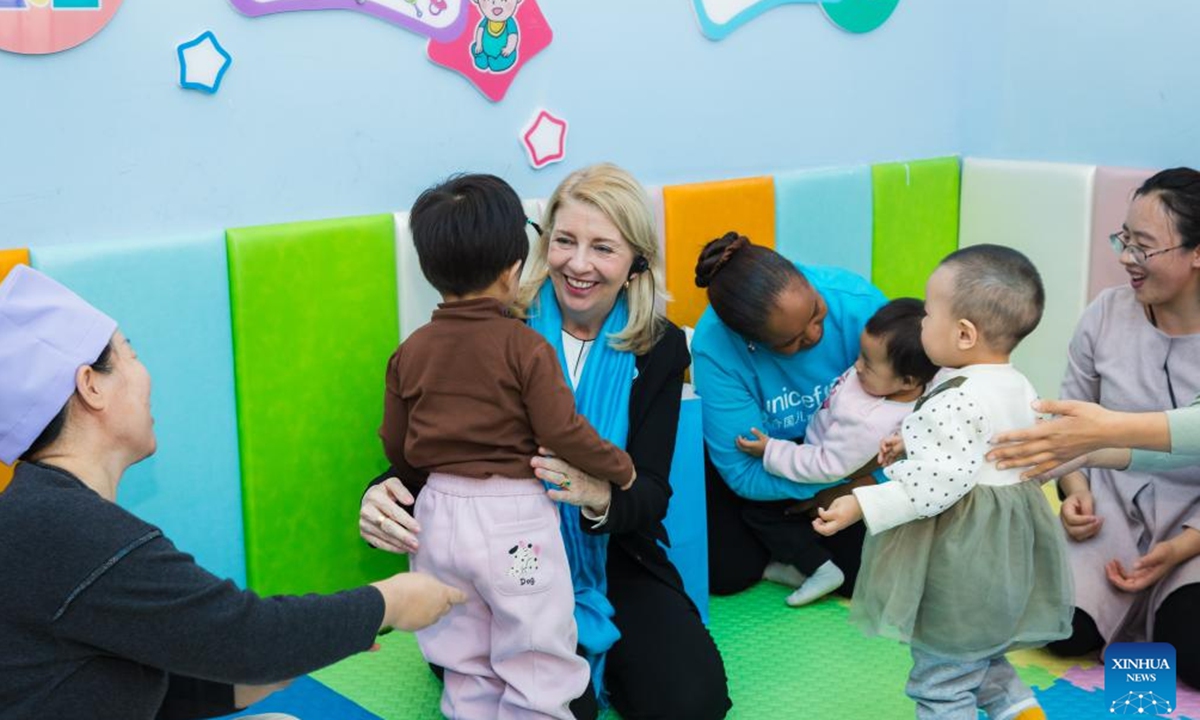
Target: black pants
pixel 744 535
pixel 1175 623
pixel 665 665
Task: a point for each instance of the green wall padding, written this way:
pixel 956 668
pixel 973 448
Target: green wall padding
pixel 916 222
pixel 314 322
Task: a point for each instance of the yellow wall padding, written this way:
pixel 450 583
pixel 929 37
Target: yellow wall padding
pixel 9 258
pixel 695 214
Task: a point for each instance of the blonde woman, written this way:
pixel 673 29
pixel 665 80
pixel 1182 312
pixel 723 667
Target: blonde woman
pixel 592 291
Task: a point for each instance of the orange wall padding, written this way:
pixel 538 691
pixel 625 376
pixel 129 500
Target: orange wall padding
pixel 9 258
pixel 695 214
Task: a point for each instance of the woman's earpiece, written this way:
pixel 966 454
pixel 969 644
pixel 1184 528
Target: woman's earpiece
pixel 640 265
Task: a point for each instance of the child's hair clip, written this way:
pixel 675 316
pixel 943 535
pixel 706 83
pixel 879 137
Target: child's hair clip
pixel 535 225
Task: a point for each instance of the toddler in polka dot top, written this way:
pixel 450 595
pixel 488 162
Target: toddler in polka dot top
pixel 963 561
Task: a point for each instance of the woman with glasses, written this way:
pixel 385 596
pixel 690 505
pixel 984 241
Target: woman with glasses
pixel 1136 532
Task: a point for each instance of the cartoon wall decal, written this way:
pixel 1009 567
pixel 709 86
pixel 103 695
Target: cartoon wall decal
pixel 202 63
pixel 435 19
pixel 39 27
pixel 497 35
pixel 545 140
pixel 500 37
pixel 719 18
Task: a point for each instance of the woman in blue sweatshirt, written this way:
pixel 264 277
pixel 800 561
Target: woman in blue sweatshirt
pixel 767 351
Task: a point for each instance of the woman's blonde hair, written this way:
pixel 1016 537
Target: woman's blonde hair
pixel 618 195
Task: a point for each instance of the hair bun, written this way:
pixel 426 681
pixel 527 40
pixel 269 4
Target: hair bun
pixel 716 254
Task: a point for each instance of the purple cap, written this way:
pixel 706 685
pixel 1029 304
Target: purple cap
pixel 47 333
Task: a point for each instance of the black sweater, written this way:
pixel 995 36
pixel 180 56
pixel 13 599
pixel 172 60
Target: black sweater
pixel 101 617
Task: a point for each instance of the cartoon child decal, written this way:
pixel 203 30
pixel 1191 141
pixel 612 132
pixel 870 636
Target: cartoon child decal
pixel 495 45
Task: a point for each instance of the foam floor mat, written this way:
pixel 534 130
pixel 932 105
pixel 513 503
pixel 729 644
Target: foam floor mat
pixel 794 663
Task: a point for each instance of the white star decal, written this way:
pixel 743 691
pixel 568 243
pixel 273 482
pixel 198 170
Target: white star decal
pixel 545 140
pixel 202 63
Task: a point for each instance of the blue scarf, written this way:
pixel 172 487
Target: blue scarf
pixel 602 397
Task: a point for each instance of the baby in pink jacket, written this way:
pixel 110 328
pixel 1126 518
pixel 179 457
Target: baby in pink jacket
pixel 866 405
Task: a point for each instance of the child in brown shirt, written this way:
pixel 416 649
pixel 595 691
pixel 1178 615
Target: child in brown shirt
pixel 470 397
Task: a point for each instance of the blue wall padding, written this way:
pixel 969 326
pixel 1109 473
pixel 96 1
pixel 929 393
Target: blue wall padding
pixel 823 217
pixel 686 520
pixel 308 699
pixel 171 299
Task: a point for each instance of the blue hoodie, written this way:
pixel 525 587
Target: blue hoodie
pixel 743 386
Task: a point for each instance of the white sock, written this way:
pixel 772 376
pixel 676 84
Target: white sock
pixel 784 574
pixel 823 581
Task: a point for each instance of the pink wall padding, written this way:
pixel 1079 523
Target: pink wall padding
pixel 1114 190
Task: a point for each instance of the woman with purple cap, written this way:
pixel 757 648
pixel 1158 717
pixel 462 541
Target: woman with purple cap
pixel 100 615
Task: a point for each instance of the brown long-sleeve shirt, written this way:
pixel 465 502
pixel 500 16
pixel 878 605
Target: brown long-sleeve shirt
pixel 475 393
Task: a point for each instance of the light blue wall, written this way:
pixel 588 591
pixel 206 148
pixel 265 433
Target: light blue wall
pixel 331 113
pixel 1110 83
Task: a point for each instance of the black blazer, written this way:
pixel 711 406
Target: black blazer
pixel 635 516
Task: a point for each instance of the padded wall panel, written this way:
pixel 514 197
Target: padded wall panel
pixel 1044 210
pixel 685 522
pixel 314 322
pixel 9 258
pixel 824 217
pixel 533 211
pixel 655 193
pixel 695 214
pixel 171 299
pixel 417 298
pixel 1113 193
pixel 915 222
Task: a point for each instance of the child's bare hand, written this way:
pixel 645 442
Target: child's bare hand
pixel 842 513
pixel 890 449
pixel 756 447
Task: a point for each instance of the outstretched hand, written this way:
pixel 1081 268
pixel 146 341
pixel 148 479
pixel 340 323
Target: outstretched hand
pixel 1076 431
pixel 414 600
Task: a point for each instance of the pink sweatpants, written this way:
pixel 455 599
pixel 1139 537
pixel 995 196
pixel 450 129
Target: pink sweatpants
pixel 509 651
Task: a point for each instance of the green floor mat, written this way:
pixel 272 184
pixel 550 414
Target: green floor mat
pixel 805 662
pixel 782 662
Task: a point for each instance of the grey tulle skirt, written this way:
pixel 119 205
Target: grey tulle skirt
pixel 988 575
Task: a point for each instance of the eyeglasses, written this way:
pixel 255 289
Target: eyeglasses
pixel 1139 256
